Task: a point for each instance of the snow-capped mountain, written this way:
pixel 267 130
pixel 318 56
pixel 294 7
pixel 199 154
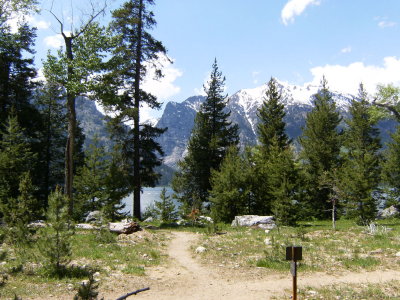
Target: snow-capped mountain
pixel 298 101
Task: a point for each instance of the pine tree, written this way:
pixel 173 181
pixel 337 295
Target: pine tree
pixel 232 187
pixel 16 66
pixel 52 138
pixel 211 137
pixel 282 183
pixel 320 143
pixel 361 168
pixel 134 48
pixel 391 168
pixel 16 160
pixel 54 241
pixel 271 114
pixel 273 149
pixel 165 207
pixel 90 182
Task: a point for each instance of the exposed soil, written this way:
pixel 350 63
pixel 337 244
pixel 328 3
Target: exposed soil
pixel 184 277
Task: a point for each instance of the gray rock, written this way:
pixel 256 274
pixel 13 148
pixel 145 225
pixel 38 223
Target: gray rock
pixel 253 220
pixel 94 216
pixel 267 241
pixel 397 254
pixel 200 249
pixel 85 226
pixel 122 227
pixel 37 224
pixel 389 212
pixel 149 219
pixel 205 219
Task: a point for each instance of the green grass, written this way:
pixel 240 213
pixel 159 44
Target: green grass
pixel 324 249
pixel 89 252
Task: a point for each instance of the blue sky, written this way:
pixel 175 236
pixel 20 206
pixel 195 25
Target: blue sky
pixel 296 41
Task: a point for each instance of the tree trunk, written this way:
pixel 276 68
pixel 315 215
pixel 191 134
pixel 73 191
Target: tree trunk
pixel 69 153
pixel 136 123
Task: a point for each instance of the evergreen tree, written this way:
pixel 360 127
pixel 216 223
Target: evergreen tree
pixel 320 143
pixel 165 207
pixel 16 66
pixel 273 150
pixel 54 241
pixel 117 182
pixel 52 138
pixel 271 114
pixel 232 187
pixel 391 168
pixel 211 137
pixel 282 183
pixel 361 167
pixel 16 160
pixel 90 182
pixel 18 213
pixel 134 48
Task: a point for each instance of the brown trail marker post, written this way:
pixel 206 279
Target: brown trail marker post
pixel 294 253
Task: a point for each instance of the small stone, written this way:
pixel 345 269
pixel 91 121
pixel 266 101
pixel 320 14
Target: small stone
pixel 312 293
pixel 145 255
pixel 398 254
pixel 70 287
pixel 377 251
pixel 97 274
pixel 267 231
pixel 267 241
pixel 200 249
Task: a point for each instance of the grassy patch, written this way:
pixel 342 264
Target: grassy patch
pixel 324 249
pixel 104 253
pixel 388 290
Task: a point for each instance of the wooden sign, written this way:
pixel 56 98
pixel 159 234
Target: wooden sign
pixel 294 253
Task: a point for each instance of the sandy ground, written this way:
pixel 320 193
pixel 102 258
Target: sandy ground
pixel 185 278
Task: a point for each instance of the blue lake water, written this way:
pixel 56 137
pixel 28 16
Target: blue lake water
pixel 149 195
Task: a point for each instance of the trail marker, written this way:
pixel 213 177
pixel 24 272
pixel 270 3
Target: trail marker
pixel 294 253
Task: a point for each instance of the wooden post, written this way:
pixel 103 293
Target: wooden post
pixel 294 254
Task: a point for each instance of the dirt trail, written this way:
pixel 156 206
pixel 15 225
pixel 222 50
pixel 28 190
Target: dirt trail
pixel 186 278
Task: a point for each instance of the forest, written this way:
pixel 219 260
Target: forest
pixel 338 172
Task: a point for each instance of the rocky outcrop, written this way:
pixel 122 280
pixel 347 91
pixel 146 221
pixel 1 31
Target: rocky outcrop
pixel 124 227
pixel 264 222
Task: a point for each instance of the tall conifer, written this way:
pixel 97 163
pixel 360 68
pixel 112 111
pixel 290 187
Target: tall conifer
pixel 361 168
pixel 211 137
pixel 320 143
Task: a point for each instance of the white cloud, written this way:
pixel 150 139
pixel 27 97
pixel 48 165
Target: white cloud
pixel 386 24
pixel 346 50
pixel 295 8
pixel 39 24
pixel 164 87
pixel 54 41
pixel 347 78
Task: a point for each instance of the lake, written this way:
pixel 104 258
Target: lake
pixel 149 195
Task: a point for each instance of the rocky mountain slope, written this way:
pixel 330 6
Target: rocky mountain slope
pixel 298 101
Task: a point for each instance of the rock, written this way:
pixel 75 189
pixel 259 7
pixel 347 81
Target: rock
pixel 70 287
pixel 200 249
pixel 397 254
pixel 267 231
pixel 37 224
pixel 267 241
pixel 122 227
pixel 85 226
pixel 253 220
pixel 94 216
pixel 389 212
pixel 205 219
pixel 149 219
pixel 377 251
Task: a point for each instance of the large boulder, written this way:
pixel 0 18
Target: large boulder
pixel 124 227
pixel 264 222
pixel 389 212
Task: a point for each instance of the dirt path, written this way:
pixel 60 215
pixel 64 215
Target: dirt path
pixel 186 278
